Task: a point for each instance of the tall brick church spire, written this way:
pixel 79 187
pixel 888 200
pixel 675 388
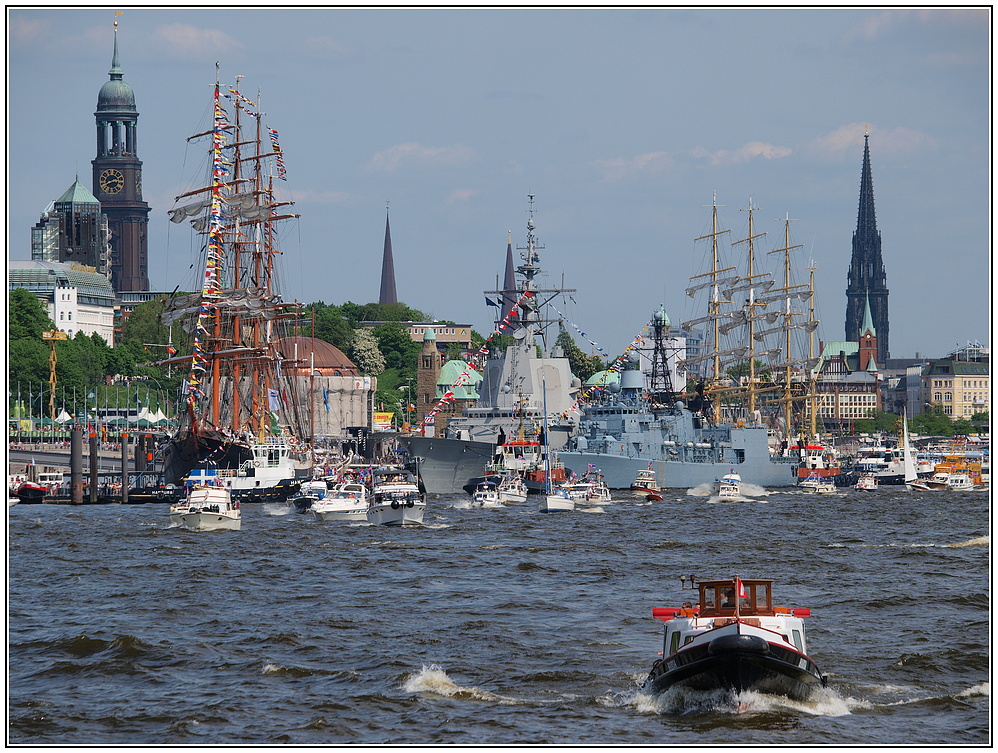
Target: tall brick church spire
pixel 867 279
pixel 388 294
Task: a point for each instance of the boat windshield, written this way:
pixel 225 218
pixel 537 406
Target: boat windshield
pixel 718 597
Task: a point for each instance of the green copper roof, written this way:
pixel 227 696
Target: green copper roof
pixel 77 194
pixel 115 94
pixel 872 366
pixel 603 378
pixel 867 325
pixel 449 374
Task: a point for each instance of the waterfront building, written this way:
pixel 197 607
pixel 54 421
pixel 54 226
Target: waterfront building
pixel 867 280
pixel 117 180
pixel 78 298
pixel 961 382
pixel 444 336
pixel 435 376
pixel 336 397
pixel 848 380
pixel 73 229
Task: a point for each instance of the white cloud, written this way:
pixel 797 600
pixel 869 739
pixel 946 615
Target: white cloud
pixel 749 151
pixel 847 139
pixel 877 25
pixel 649 163
pixel 28 30
pixel 462 194
pixel 326 48
pixel 186 40
pixel 394 157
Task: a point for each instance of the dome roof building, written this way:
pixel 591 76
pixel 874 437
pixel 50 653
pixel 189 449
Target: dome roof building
pixel 316 357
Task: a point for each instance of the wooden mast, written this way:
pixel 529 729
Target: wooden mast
pixel 714 305
pixel 787 291
pixel 752 305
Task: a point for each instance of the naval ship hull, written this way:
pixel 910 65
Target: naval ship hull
pixel 445 465
pixel 696 455
pixel 620 471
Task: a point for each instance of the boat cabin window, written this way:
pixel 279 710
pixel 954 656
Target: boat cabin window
pixel 719 597
pixel 797 641
pixel 674 645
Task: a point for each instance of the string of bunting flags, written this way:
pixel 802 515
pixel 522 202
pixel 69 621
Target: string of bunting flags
pixel 474 363
pixel 212 281
pixel 637 341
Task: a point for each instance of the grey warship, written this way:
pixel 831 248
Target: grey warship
pixel 511 392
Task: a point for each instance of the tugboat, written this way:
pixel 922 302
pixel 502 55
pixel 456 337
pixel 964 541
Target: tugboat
pixel 736 640
pixel 645 485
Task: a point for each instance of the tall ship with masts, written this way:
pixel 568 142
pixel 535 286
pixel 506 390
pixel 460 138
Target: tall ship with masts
pixel 724 423
pixel 512 389
pixel 242 425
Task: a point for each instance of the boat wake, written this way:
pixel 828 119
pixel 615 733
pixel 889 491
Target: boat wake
pixel 683 702
pixel 741 498
pixel 979 541
pixel 433 679
pixel 277 509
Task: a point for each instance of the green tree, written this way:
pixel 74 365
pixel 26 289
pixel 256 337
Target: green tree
pixel 932 421
pixel 878 421
pixel 398 347
pixel 332 326
pixel 582 366
pixel 26 315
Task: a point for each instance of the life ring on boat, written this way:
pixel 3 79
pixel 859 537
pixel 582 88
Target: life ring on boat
pixel 395 505
pixel 159 494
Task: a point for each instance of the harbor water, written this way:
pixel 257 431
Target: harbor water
pixel 491 627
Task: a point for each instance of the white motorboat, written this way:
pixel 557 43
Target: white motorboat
pixel 816 484
pixel 866 482
pixel 346 501
pixel 729 486
pixel 735 640
pixel 512 489
pixel 207 508
pixel 486 494
pixel 590 488
pixel 557 501
pixel 396 500
pixel 959 482
pixel 309 493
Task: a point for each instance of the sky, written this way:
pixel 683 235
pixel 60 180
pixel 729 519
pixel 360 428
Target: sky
pixel 624 124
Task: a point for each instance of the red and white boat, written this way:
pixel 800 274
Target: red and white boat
pixel 818 460
pixel 646 485
pixel 735 639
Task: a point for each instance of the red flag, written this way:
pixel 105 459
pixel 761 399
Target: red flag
pixel 742 593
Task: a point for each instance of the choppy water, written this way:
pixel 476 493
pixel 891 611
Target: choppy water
pixel 494 626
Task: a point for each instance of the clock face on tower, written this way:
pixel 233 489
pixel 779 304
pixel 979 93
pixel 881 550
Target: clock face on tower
pixel 112 181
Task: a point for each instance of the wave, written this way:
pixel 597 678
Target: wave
pixel 979 541
pixel 275 508
pixel 684 702
pixel 983 689
pixel 433 679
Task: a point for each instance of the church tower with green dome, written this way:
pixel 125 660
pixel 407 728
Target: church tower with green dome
pixel 117 180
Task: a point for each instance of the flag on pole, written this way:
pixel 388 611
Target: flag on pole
pixel 742 593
